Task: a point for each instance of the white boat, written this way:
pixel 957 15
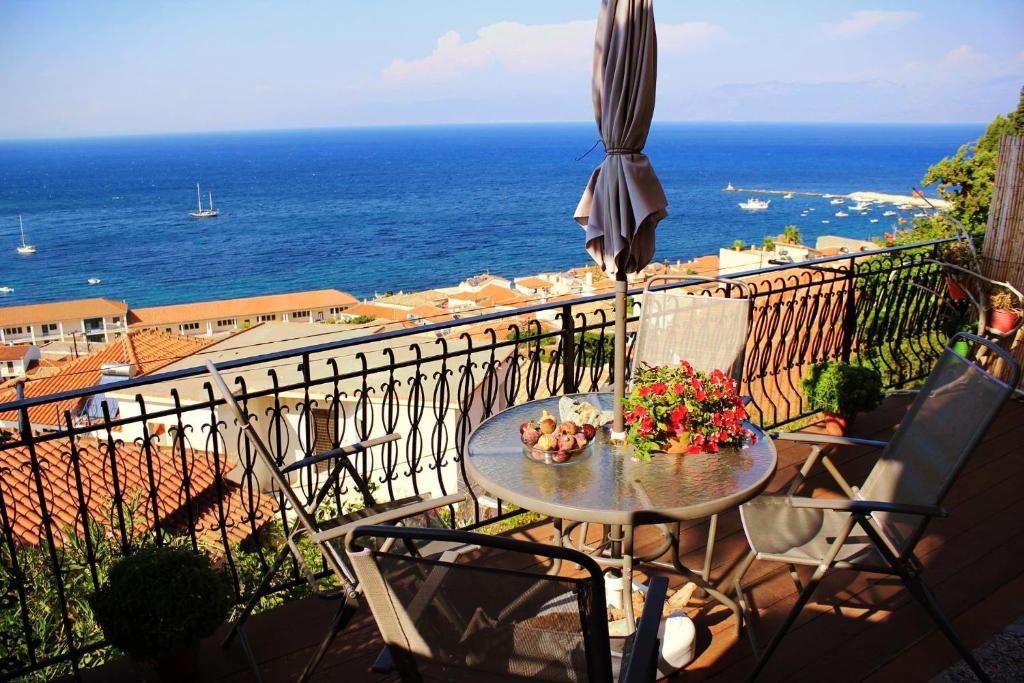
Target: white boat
pixel 905 207
pixel 859 206
pixel 94 281
pixel 6 290
pixel 729 188
pixel 888 213
pixel 788 195
pixel 24 249
pixel 838 201
pixel 828 196
pixel 755 204
pixel 873 220
pixel 811 209
pixel 825 221
pixel 920 214
pixel 841 214
pixel 208 212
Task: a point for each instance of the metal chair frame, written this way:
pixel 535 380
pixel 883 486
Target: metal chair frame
pixel 639 660
pixel 320 533
pixel 900 562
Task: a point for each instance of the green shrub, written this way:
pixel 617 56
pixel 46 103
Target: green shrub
pixel 361 319
pixel 842 388
pixel 159 600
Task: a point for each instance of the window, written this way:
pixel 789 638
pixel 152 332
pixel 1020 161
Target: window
pixel 115 320
pixel 335 310
pixel 300 314
pixel 266 317
pixel 13 330
pixel 323 430
pixel 50 328
pixel 188 327
pixel 227 322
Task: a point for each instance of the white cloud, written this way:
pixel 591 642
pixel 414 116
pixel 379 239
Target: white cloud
pixel 965 58
pixel 537 48
pixel 863 22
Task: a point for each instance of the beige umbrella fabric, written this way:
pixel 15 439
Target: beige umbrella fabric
pixel 624 200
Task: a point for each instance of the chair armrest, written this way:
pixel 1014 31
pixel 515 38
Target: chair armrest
pixel 388 516
pixel 867 506
pixel 826 438
pixel 641 663
pixel 334 453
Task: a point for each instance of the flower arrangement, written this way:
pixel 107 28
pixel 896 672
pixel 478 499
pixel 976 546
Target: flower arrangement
pixel 680 408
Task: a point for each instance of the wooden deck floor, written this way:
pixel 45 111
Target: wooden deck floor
pixel 857 627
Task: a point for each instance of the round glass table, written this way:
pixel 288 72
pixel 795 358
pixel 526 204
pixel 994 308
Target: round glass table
pixel 612 488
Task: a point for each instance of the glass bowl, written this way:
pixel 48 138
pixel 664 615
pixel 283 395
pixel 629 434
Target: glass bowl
pixel 558 458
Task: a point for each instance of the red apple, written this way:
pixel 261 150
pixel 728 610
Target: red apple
pixel 589 431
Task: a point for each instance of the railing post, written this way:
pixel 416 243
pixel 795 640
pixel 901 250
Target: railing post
pixel 568 351
pixel 850 312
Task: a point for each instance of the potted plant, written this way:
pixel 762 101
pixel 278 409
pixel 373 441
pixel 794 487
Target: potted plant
pixel 841 391
pixel 682 410
pixel 957 254
pixel 1004 311
pixel 158 603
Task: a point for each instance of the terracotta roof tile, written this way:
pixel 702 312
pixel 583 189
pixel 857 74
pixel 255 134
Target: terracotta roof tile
pixel 65 506
pixel 14 352
pixel 61 310
pixel 148 350
pixel 533 282
pixel 233 308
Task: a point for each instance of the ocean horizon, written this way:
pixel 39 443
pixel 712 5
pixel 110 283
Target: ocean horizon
pixel 372 209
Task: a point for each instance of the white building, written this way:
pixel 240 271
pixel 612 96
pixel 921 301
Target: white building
pixel 94 320
pixel 15 360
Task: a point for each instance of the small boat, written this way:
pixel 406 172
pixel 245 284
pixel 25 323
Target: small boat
pixel 905 207
pixel 838 201
pixel 729 188
pixel 825 221
pixel 788 195
pixel 24 249
pixel 6 290
pixel 841 214
pixel 888 213
pixel 811 209
pixel 803 215
pixel 859 206
pixel 828 196
pixel 873 220
pixel 94 281
pixel 920 214
pixel 208 212
pixel 755 204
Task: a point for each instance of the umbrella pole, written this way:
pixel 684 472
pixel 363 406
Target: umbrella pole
pixel 618 424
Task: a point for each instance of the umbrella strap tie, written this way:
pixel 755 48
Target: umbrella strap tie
pixel 621 151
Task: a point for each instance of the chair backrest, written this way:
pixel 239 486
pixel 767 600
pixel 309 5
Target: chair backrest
pixel 710 332
pixel 458 617
pixel 947 419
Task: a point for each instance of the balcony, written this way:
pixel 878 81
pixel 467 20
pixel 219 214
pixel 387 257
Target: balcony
pixel 168 463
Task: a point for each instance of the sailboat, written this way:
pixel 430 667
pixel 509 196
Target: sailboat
pixel 24 249
pixel 208 212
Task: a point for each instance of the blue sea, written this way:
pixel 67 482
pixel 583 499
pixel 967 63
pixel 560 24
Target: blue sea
pixel 376 209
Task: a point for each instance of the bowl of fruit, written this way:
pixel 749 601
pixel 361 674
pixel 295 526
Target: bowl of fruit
pixel 549 442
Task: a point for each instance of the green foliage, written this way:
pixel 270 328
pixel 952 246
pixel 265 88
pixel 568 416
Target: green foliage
pixel 791 235
pixel 842 388
pixel 738 245
pixel 768 244
pixel 6 436
pixel 361 319
pixel 966 178
pixel 158 600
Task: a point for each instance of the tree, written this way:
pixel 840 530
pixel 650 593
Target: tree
pixel 738 245
pixel 768 244
pixel 966 178
pixel 791 235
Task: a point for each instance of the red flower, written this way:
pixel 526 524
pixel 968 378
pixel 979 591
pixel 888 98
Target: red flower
pixel 679 414
pixel 701 395
pixel 644 391
pixel 660 388
pixel 693 450
pixel 679 389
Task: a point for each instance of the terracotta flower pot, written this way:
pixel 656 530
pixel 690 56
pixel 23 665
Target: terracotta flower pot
pixel 836 425
pixel 956 292
pixel 1002 320
pixel 677 445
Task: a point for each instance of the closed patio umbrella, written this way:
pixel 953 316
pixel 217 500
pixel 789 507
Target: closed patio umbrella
pixel 624 200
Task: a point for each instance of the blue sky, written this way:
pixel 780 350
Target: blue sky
pixel 93 67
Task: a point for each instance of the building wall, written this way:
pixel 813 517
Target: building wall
pixel 99 329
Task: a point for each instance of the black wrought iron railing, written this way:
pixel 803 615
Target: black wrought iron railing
pixel 155 460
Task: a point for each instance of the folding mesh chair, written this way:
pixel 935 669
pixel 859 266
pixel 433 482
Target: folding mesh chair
pixel 901 494
pixel 709 332
pixel 326 532
pixel 460 617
